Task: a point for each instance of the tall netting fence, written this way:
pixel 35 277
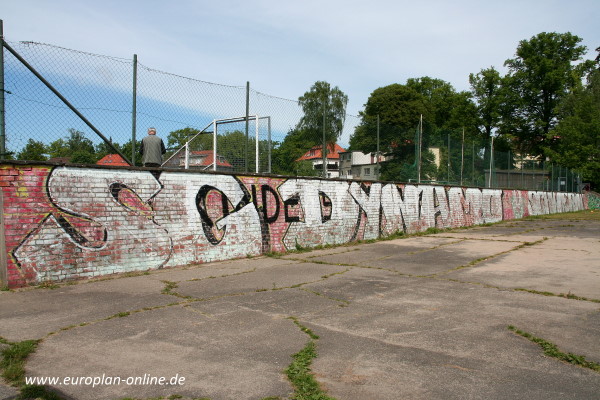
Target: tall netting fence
pixel 108 103
pixel 40 126
pixel 451 157
pixel 122 98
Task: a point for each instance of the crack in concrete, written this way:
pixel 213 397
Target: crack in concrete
pixel 486 258
pixel 220 276
pixel 344 303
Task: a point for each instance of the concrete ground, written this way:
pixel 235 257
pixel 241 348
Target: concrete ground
pixel 424 317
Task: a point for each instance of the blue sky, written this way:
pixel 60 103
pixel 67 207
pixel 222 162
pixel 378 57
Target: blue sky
pixel 283 47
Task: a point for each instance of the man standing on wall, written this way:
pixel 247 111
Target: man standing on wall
pixel 152 149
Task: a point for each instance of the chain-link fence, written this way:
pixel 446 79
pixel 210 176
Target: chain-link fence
pixel 490 163
pixel 453 157
pixel 121 98
pixel 210 126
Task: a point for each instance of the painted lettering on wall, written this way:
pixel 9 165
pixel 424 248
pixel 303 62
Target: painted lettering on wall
pixel 65 222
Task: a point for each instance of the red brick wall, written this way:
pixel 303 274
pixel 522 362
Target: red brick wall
pixel 64 223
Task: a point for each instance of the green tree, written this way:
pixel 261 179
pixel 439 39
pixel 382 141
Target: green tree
pixel 231 146
pixel 399 108
pixel 83 157
pixel 486 87
pixel 33 151
pixel 575 142
pixel 439 95
pixel 540 76
pixel 463 113
pixel 126 150
pixel 76 141
pixel 58 148
pixel 76 146
pixel 102 149
pixel 287 152
pixel 178 138
pixel 322 102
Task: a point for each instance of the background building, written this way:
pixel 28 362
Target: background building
pixel 315 156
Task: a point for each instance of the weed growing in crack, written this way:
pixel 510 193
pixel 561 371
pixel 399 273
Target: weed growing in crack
pixel 47 285
pixel 273 254
pixel 395 235
pixel 12 364
pixel 551 350
pixel 299 372
pixel 169 286
pixel 569 295
pixel 118 315
pixel 343 303
pixel 304 329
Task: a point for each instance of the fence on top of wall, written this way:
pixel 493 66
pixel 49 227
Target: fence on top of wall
pixel 112 101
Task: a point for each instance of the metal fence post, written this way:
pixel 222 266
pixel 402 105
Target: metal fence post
pixel 448 158
pixel 2 108
pixel 257 151
pixel 215 145
pixel 269 141
pixel 473 166
pixel 134 109
pixel 377 154
pixel 508 171
pixel 491 162
pixel 247 127
pixel 187 156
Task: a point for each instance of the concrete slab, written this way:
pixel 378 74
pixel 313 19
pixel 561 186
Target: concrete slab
pixel 354 367
pixel 8 392
pixel 297 302
pixel 34 313
pixel 239 355
pixel 286 274
pixel 386 331
pixel 555 266
pixel 421 257
pixel 380 250
pixel 210 270
pixel 456 318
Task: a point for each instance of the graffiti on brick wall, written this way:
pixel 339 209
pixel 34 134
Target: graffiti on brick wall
pixel 67 222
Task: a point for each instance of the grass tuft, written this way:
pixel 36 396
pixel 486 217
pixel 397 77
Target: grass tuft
pixel 13 361
pixel 301 377
pixel 304 329
pixel 37 392
pixel 299 372
pixel 551 350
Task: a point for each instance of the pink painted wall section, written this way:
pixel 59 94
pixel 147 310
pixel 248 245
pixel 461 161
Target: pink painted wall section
pixel 65 223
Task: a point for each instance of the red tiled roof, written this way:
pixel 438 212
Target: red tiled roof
pixel 333 152
pixel 208 159
pixel 112 159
